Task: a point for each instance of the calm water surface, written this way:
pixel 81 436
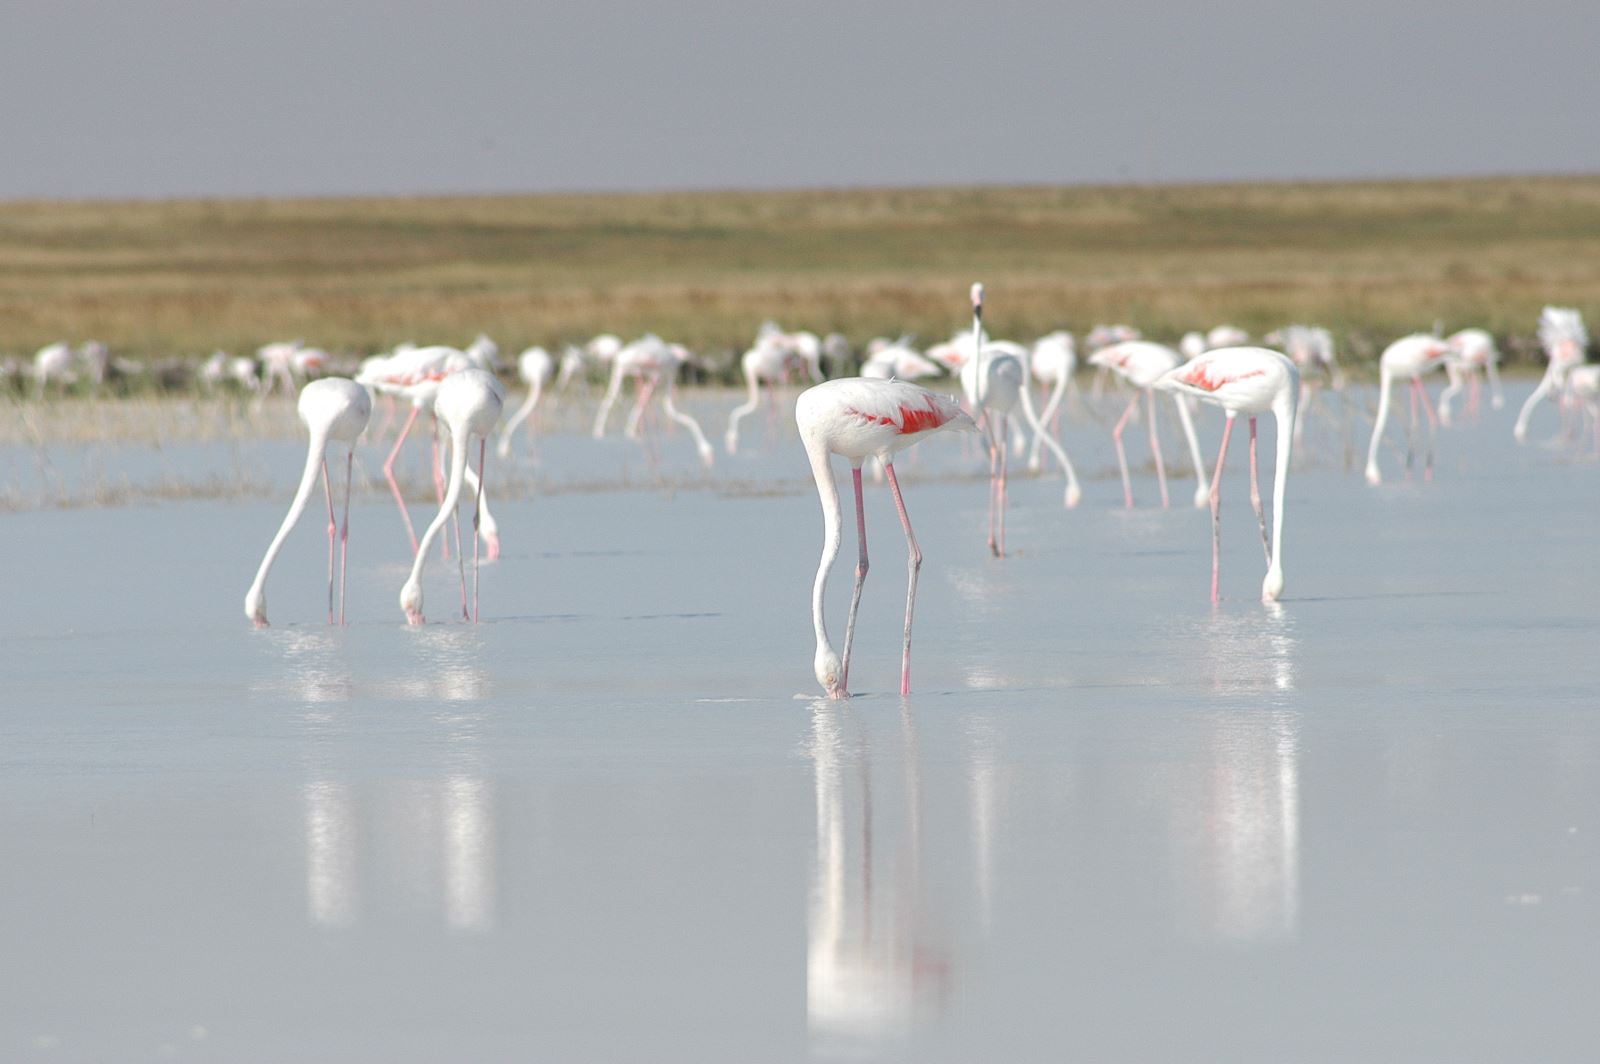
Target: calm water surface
pixel 612 822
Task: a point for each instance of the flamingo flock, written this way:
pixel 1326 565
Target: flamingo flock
pixel 882 413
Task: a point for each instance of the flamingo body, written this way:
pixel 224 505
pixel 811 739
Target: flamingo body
pixel 1409 358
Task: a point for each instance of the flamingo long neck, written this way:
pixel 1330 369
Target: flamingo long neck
pixel 979 391
pixel 1180 401
pixel 681 418
pixel 1384 384
pixel 459 438
pixel 1284 411
pixel 534 391
pixel 832 518
pixel 308 482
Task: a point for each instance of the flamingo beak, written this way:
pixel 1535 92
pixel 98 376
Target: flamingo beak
pixel 492 546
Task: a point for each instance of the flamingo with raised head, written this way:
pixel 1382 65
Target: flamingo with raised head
pixel 469 402
pixel 1245 380
pixel 536 368
pixel 332 409
pixel 862 418
pixel 1409 358
pixel 1565 339
pixel 1142 363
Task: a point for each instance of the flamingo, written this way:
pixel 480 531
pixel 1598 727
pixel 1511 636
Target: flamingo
pixel 469 402
pixel 1221 336
pixel 535 367
pixel 1583 385
pixel 332 409
pixel 1409 357
pixel 1471 350
pixel 1142 363
pixel 1562 333
pixel 1245 380
pixel 896 360
pixel 417 373
pixel 769 362
pixel 1053 361
pixel 1309 347
pixel 654 363
pixel 996 384
pixel 861 418
pixel 54 362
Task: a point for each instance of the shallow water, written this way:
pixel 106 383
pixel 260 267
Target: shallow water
pixel 612 823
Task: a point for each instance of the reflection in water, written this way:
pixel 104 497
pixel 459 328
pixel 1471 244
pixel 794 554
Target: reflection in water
pixel 869 968
pixel 428 842
pixel 1252 651
pixel 314 666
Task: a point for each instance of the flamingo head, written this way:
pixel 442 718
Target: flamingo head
pixel 490 531
pixel 1272 586
pixel 255 606
pixel 830 672
pixel 411 601
pixel 977 296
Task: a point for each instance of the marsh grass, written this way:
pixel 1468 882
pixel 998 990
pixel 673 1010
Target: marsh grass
pixel 1371 260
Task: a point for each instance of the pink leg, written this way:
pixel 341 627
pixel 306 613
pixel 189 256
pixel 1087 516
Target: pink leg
pixel 994 486
pixel 327 491
pixel 344 532
pixel 1216 509
pixel 1474 395
pixel 1155 449
pixel 1122 455
pixel 913 566
pixel 1411 429
pixel 461 563
pixel 1255 493
pixel 861 578
pixel 1433 425
pixel 388 474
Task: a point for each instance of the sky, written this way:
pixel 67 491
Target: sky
pixel 136 98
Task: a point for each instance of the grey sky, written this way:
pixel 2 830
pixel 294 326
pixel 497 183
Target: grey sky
pixel 219 97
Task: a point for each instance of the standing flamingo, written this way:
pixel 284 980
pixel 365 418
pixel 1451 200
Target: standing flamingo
pixel 536 368
pixel 469 402
pixel 654 363
pixel 1053 362
pixel 861 418
pixel 332 409
pixel 1246 380
pixel 1142 363
pixel 897 360
pixel 770 362
pixel 1562 333
pixel 1408 358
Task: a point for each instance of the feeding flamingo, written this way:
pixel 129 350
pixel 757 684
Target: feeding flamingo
pixel 770 362
pixel 332 409
pixel 654 363
pixel 535 367
pixel 1142 363
pixel 1470 351
pixel 1408 358
pixel 1052 362
pixel 1245 380
pixel 995 382
pixel 1562 333
pixel 862 418
pixel 469 402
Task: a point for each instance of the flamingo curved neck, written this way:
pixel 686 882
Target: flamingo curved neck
pixel 1283 411
pixel 458 469
pixel 832 519
pixel 302 496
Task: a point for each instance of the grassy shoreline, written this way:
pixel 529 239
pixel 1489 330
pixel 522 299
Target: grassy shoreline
pixel 1369 259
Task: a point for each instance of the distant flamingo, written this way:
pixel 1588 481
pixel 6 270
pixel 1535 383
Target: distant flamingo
pixel 332 409
pixel 1583 385
pixel 1565 339
pixel 1142 363
pixel 771 362
pixel 654 363
pixel 1408 358
pixel 896 360
pixel 469 402
pixel 995 382
pixel 862 418
pixel 1246 380
pixel 536 368
pixel 1052 362
pixel 1470 351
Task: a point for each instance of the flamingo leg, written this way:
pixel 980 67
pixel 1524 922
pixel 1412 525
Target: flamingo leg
pixel 1155 448
pixel 327 491
pixel 913 566
pixel 994 485
pixel 1255 494
pixel 1216 509
pixel 1122 455
pixel 861 578
pixel 344 532
pixel 394 486
pixel 477 514
pixel 1433 427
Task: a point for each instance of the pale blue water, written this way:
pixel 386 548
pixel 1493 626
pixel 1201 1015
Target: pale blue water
pixel 1110 823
